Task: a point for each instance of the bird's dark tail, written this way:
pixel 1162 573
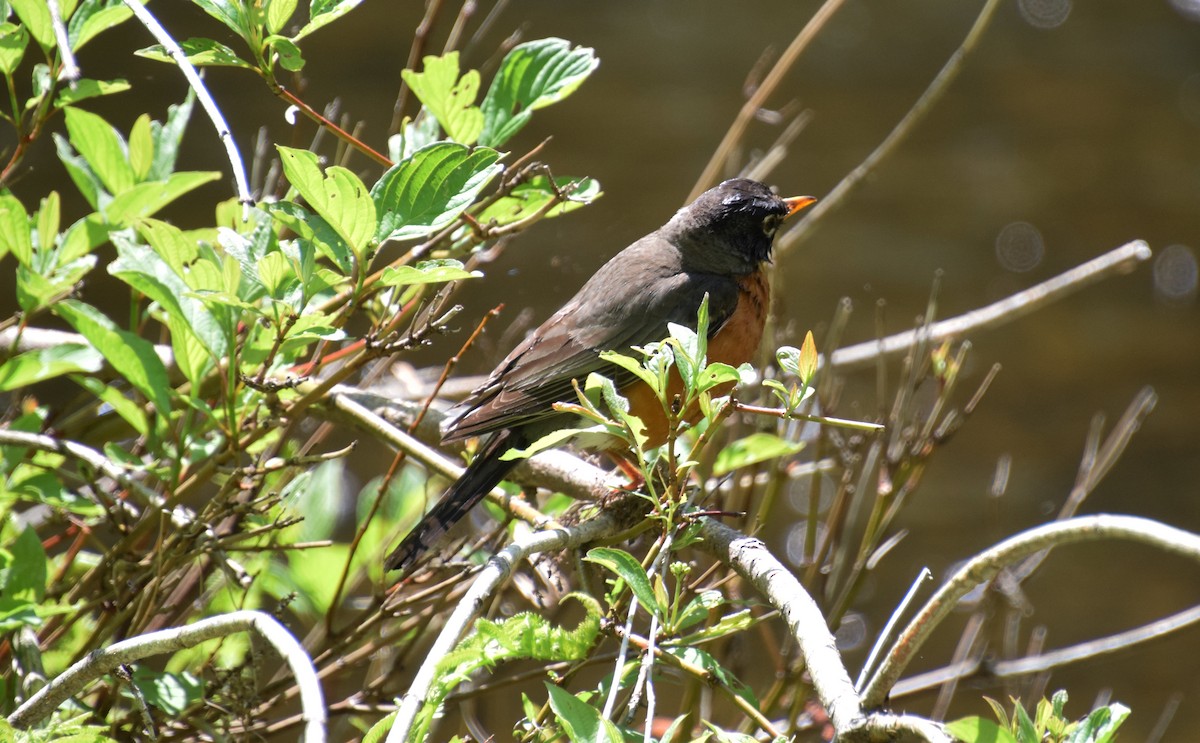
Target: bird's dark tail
pixel 484 473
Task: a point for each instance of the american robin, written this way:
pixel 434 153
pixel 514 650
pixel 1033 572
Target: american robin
pixel 717 245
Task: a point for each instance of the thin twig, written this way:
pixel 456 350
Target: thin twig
pixel 206 101
pixel 988 564
pixel 479 595
pixel 764 90
pixel 937 87
pixel 99 662
pixel 1117 261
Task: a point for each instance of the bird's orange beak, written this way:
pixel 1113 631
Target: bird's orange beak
pixel 796 203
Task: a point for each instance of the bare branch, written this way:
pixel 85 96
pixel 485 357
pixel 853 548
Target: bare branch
pixel 99 662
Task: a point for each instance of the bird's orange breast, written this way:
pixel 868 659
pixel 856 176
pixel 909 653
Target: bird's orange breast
pixel 734 343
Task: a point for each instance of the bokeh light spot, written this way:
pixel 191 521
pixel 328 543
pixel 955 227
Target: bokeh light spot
pixel 1019 247
pixel 1176 274
pixel 1045 14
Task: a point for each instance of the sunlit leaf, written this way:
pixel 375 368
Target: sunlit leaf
pixel 102 147
pixel 528 198
pixel 85 89
pixel 41 364
pixel 532 75
pixel 448 97
pixel 752 449
pixel 427 272
pixel 430 189
pixel 324 12
pixel 146 199
pixel 13 40
pixel 581 721
pixel 200 52
pixel 131 356
pixel 628 569
pixel 35 16
pixel 337 195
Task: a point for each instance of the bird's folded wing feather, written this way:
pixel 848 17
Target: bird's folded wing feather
pixel 539 372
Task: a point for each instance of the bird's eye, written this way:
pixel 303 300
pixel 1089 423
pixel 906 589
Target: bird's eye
pixel 771 223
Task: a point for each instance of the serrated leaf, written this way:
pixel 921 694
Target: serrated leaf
pixel 86 88
pixel 131 356
pixel 13 40
pixel 752 449
pixel 532 75
pixel 41 364
pixel 428 191
pixel 102 147
pixel 337 195
pixel 627 568
pixel 449 98
pixel 427 272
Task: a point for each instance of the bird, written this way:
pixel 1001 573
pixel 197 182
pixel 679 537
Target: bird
pixel 718 246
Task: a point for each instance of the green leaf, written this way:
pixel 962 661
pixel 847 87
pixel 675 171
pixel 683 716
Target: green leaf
pixel 102 147
pixel 697 609
pixel 1101 725
pixel 201 52
pixel 78 169
pixel 13 40
pixel 41 364
pixel 132 357
pixel 730 624
pixel 15 235
pixel 278 13
pixel 315 232
pixel 171 692
pixel 24 578
pixel 168 135
pixel 532 75
pixel 1026 730
pixel 86 88
pixel 289 54
pixel 142 268
pixel 146 199
pixel 428 191
pixel 49 218
pixel 229 12
pixel 628 569
pixel 708 662
pixel 92 19
pixel 324 12
pixel 129 411
pixel 528 198
pixel 427 272
pixel 581 721
pixel 752 449
pixel 35 15
pixel 806 367
pixel 141 147
pixel 338 196
pixel 979 730
pixel 551 440
pixel 448 97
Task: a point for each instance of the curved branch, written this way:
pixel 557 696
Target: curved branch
pixel 988 564
pixel 206 101
pixel 1117 261
pixel 492 576
pixel 99 662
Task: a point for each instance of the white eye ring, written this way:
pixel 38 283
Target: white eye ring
pixel 771 223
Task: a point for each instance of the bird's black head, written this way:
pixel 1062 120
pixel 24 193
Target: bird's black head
pixel 732 226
